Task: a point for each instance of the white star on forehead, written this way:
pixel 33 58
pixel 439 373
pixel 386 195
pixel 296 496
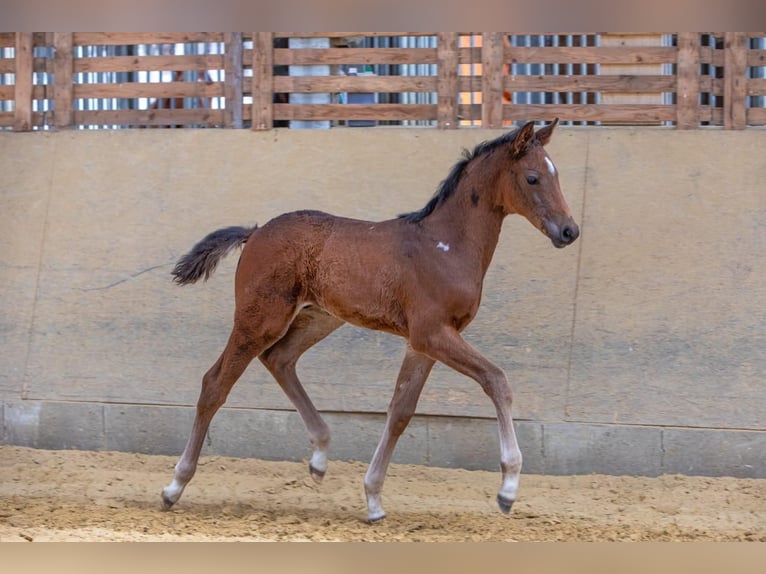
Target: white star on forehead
pixel 551 167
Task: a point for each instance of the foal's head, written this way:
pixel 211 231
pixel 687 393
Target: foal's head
pixel 530 186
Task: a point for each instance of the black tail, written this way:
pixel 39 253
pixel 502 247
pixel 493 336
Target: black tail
pixel 204 257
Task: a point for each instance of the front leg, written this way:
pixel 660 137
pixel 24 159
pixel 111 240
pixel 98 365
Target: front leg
pixel 446 345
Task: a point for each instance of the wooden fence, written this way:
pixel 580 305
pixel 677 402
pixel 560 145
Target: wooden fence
pixel 447 80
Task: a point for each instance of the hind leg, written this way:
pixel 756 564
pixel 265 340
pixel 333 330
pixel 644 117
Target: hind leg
pixel 307 329
pixel 244 344
pixel 409 384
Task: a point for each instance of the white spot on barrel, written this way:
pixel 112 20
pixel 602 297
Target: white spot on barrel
pixel 443 246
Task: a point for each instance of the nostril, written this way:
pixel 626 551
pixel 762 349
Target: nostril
pixel 569 233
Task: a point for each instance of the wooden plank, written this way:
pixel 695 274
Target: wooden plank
pixel 756 57
pixel 361 56
pixel 7 65
pixel 132 38
pixel 349 34
pixel 355 112
pixel 24 71
pixel 756 87
pixel 447 85
pixel 688 90
pixel 262 110
pixel 63 87
pixel 320 84
pixel 756 116
pixel 149 63
pixel 492 80
pixel 571 83
pixel 233 83
pixel 591 55
pixel 7 40
pixel 735 84
pixel 626 113
pixel 153 117
pixel 160 90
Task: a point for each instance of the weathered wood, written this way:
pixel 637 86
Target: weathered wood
pixel 592 112
pixel 756 116
pixel 488 80
pixel 756 57
pixel 447 80
pixel 348 34
pixel 633 43
pixel 132 38
pixel 601 83
pixel 262 110
pixel 756 87
pixel 63 86
pixel 7 39
pixel 735 83
pixel 153 117
pixel 591 55
pixel 361 56
pixel 492 80
pixel 355 111
pixel 319 84
pixel 149 63
pixel 233 83
pixel 24 70
pixel 688 89
pixel 162 90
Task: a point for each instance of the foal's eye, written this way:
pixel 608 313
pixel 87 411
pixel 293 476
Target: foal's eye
pixel 532 180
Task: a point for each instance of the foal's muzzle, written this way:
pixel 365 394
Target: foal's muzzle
pixel 561 235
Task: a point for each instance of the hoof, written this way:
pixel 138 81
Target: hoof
pixel 167 504
pixel 316 474
pixel 504 504
pixel 373 518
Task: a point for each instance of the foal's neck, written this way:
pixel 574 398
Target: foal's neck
pixel 472 217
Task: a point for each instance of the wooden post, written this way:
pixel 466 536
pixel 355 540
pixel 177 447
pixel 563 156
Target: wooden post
pixel 63 82
pixel 492 79
pixel 263 80
pixel 734 81
pixel 23 89
pixel 233 86
pixel 447 55
pixel 688 80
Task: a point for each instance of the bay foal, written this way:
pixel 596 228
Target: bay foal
pixel 304 274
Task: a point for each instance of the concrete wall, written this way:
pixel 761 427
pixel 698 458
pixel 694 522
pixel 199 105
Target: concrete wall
pixel 639 350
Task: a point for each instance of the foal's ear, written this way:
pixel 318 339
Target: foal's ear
pixel 522 140
pixel 544 134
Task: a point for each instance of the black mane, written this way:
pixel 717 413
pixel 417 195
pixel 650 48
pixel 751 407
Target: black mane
pixel 449 185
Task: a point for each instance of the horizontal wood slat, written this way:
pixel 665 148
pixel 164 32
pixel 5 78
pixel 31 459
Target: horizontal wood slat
pixel 154 117
pixel 148 63
pixel 355 112
pixel 336 56
pixel 133 38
